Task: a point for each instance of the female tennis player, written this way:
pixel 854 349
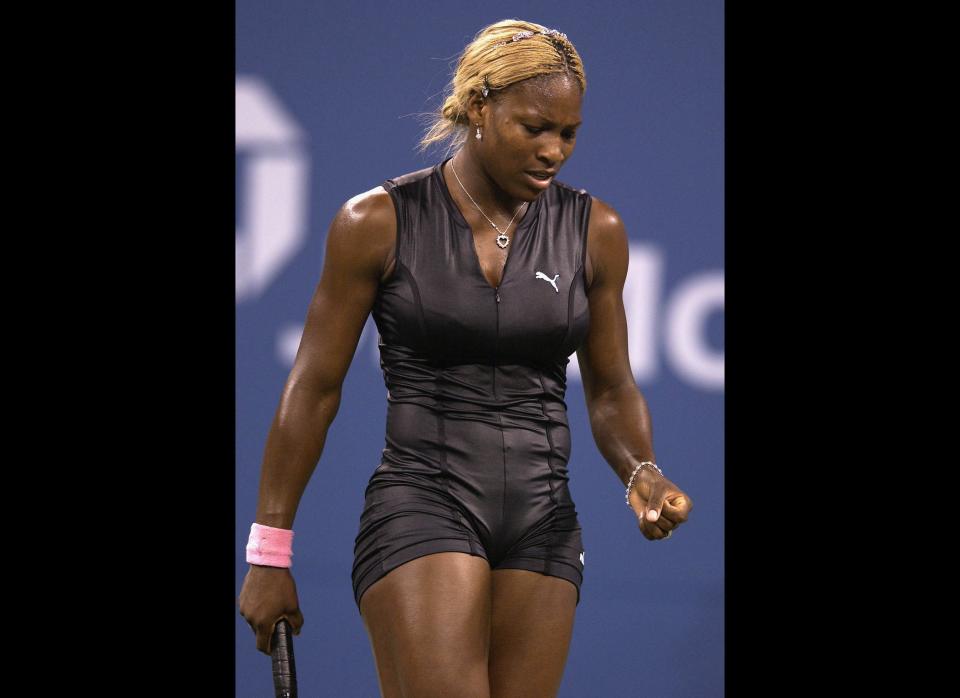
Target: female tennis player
pixel 484 274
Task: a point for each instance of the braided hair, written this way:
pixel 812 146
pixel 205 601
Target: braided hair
pixel 500 55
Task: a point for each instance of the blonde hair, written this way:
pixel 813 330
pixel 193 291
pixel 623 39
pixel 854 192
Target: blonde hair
pixel 496 61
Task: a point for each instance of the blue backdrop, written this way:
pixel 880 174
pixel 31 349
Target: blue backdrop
pixel 327 98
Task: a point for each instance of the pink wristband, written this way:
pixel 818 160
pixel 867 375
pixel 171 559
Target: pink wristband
pixel 270 546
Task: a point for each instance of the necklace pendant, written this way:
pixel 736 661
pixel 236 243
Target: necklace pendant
pixel 503 240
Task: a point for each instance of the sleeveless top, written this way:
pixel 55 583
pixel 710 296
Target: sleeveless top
pixel 453 344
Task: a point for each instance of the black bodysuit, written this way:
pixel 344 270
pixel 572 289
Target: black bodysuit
pixel 477 440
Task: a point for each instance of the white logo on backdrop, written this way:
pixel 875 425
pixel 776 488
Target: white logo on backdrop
pixel 272 187
pixel 683 328
pixel 686 320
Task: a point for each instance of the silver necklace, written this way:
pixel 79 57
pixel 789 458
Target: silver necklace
pixel 502 238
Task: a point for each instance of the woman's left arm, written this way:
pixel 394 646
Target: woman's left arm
pixel 619 418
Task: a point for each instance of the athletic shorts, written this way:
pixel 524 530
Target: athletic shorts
pixel 496 491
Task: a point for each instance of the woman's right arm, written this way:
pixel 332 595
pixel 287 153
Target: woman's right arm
pixel 360 244
pixel 359 249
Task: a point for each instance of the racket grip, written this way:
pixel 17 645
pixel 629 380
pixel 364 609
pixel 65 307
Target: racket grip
pixel 284 668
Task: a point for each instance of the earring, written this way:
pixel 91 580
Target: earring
pixel 479 137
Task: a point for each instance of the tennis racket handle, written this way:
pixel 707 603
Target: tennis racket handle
pixel 284 668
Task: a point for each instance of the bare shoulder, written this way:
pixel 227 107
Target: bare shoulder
pixel 370 211
pixel 607 246
pixel 605 223
pixel 364 231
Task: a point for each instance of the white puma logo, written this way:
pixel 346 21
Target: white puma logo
pixel 552 282
pixel 581 558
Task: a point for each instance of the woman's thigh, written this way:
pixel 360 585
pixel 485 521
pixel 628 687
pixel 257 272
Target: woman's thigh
pixel 532 623
pixel 429 626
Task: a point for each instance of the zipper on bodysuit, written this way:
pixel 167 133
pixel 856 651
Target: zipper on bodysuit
pixel 496 343
pixel 496 293
pixel 496 339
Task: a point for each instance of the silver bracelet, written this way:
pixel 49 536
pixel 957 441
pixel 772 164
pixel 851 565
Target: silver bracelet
pixel 634 474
